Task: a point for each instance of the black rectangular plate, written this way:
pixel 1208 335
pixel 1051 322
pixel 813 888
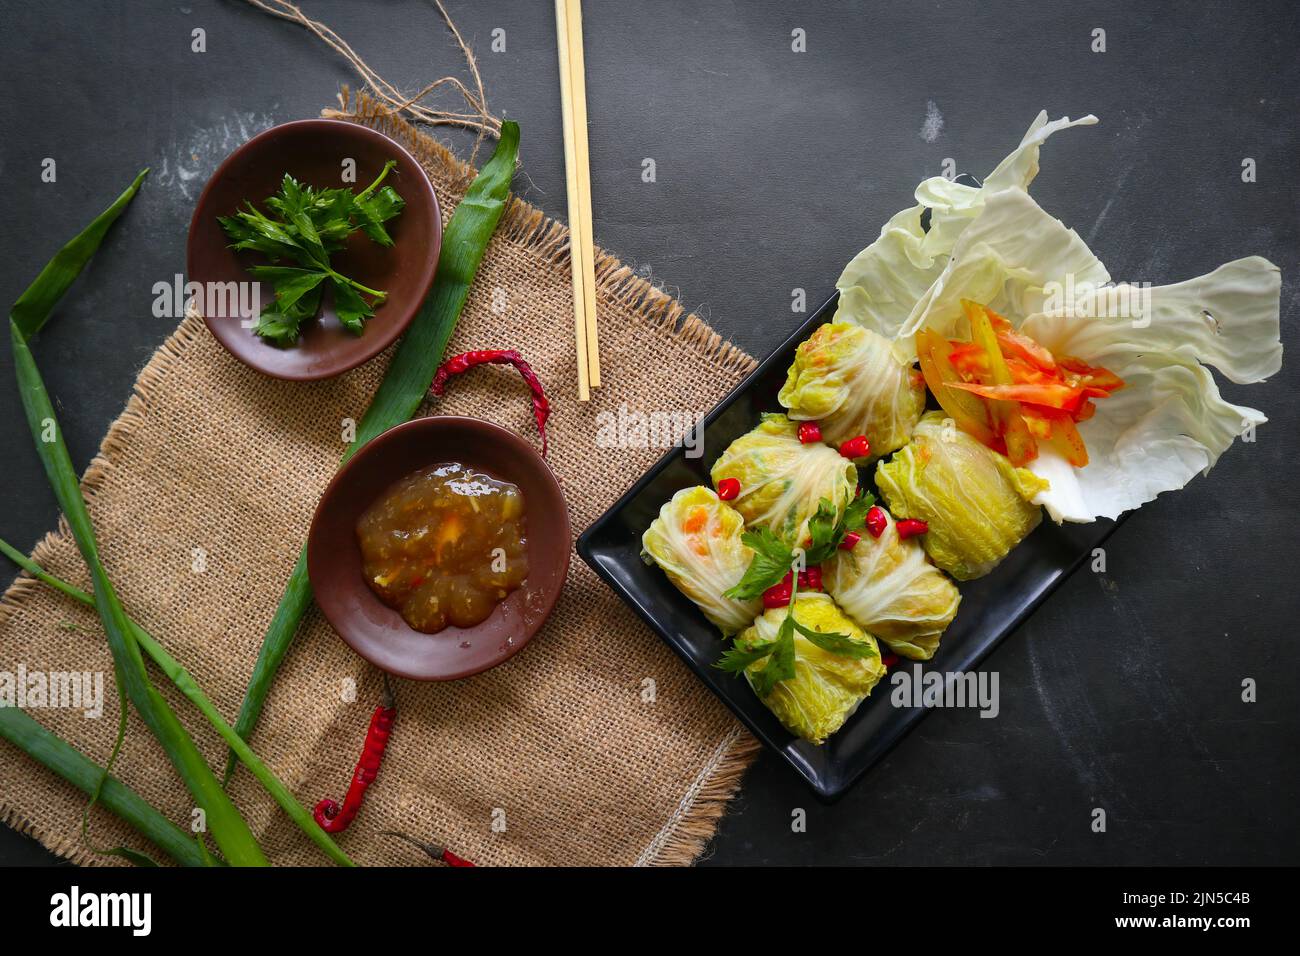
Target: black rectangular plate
pixel 991 607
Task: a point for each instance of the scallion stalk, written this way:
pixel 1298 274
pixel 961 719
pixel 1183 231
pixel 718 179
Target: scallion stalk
pixel 187 686
pixel 56 754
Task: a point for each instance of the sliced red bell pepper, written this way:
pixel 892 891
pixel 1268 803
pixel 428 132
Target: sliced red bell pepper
pixel 1065 437
pixel 968 359
pixel 1101 381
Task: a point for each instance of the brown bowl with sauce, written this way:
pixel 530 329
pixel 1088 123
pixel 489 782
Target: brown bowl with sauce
pixel 413 532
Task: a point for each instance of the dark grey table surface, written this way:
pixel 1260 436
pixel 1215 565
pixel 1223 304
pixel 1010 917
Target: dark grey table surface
pixel 773 168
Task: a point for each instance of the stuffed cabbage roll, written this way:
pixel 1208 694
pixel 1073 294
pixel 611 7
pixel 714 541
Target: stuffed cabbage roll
pixel 782 480
pixel 827 687
pixel 696 541
pixel 889 588
pixel 849 379
pixel 975 501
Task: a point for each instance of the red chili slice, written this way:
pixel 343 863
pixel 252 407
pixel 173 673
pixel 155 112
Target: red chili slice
pixel 857 447
pixel 729 489
pixel 877 521
pixel 810 433
pixel 811 579
pixel 911 527
pixel 778 595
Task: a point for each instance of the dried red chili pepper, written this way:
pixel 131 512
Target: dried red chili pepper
pixel 439 853
pixel 329 816
pixel 468 360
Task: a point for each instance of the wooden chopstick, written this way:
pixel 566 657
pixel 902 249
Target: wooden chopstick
pixel 573 93
pixel 578 66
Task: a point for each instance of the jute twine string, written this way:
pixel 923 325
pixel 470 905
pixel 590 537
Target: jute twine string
pixel 479 119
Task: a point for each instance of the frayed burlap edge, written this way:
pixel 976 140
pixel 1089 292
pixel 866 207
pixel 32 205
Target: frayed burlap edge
pixel 689 829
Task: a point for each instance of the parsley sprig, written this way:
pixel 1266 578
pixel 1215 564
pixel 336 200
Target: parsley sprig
pixel 773 558
pixel 304 228
pixel 772 561
pixel 780 652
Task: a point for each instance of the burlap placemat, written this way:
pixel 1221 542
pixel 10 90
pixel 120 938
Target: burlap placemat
pixel 559 756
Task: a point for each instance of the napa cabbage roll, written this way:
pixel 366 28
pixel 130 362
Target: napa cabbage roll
pixel 850 380
pixel 827 687
pixel 696 541
pixel 782 480
pixel 976 503
pixel 890 589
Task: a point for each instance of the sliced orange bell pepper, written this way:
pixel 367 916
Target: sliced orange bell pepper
pixel 970 414
pixel 1015 345
pixel 968 359
pixel 1101 381
pixel 1051 394
pixel 1010 392
pixel 1010 424
pixel 1065 436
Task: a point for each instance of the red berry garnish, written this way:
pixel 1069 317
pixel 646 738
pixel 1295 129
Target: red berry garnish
pixel 778 595
pixel 810 433
pixel 856 447
pixel 911 527
pixel 850 540
pixel 811 580
pixel 728 488
pixel 877 521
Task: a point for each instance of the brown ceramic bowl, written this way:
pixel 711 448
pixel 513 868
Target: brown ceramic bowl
pixel 376 631
pixel 313 151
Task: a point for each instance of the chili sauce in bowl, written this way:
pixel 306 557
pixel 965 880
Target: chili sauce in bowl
pixel 423 508
pixel 444 545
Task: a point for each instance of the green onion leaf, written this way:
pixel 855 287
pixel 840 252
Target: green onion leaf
pixel 60 757
pixel 228 828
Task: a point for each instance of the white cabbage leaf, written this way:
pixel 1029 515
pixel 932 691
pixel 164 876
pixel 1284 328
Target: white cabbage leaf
pixel 696 541
pixel 1169 422
pixel 782 480
pixel 891 590
pixel 882 284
